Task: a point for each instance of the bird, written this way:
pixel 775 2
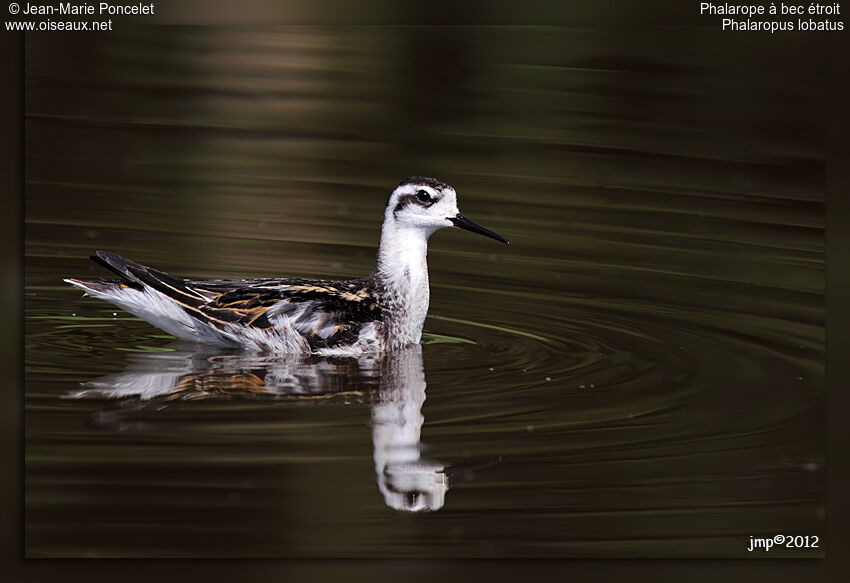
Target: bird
pixel 383 311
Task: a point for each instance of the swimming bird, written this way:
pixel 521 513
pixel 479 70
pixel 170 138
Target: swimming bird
pixel 384 311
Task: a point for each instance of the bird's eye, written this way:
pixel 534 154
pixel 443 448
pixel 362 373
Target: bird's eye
pixel 423 196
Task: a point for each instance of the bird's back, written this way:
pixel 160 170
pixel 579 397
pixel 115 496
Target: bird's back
pixel 270 314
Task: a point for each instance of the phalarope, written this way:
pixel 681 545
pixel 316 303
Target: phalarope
pixel 384 311
pixel 391 383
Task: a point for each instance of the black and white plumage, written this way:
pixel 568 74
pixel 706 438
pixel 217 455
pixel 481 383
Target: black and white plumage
pixel 383 311
pixel 392 383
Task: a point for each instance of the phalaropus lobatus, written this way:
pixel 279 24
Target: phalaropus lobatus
pixel 383 311
pixel 391 383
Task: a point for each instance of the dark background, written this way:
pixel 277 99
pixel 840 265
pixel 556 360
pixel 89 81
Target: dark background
pixel 832 67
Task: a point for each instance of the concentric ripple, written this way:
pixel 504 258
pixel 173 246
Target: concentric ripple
pixel 639 374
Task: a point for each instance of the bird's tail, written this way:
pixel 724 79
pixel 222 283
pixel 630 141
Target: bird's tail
pixel 137 276
pixel 101 287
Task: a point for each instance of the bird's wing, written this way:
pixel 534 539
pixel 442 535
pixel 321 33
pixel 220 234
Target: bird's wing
pixel 326 313
pixel 138 275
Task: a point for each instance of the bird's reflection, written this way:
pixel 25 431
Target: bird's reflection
pixel 393 384
pixel 406 480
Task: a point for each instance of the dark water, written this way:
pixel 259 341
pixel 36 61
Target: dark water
pixel 639 374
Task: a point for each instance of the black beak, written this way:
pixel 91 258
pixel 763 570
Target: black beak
pixel 464 223
pixel 458 475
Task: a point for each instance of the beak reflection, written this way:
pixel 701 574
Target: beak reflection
pixel 464 223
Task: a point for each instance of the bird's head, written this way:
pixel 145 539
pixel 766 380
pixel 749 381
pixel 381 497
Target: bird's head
pixel 425 205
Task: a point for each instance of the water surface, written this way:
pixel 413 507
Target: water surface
pixel 639 374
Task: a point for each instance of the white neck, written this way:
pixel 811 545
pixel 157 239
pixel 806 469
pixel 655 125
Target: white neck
pixel 403 270
pixel 406 481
